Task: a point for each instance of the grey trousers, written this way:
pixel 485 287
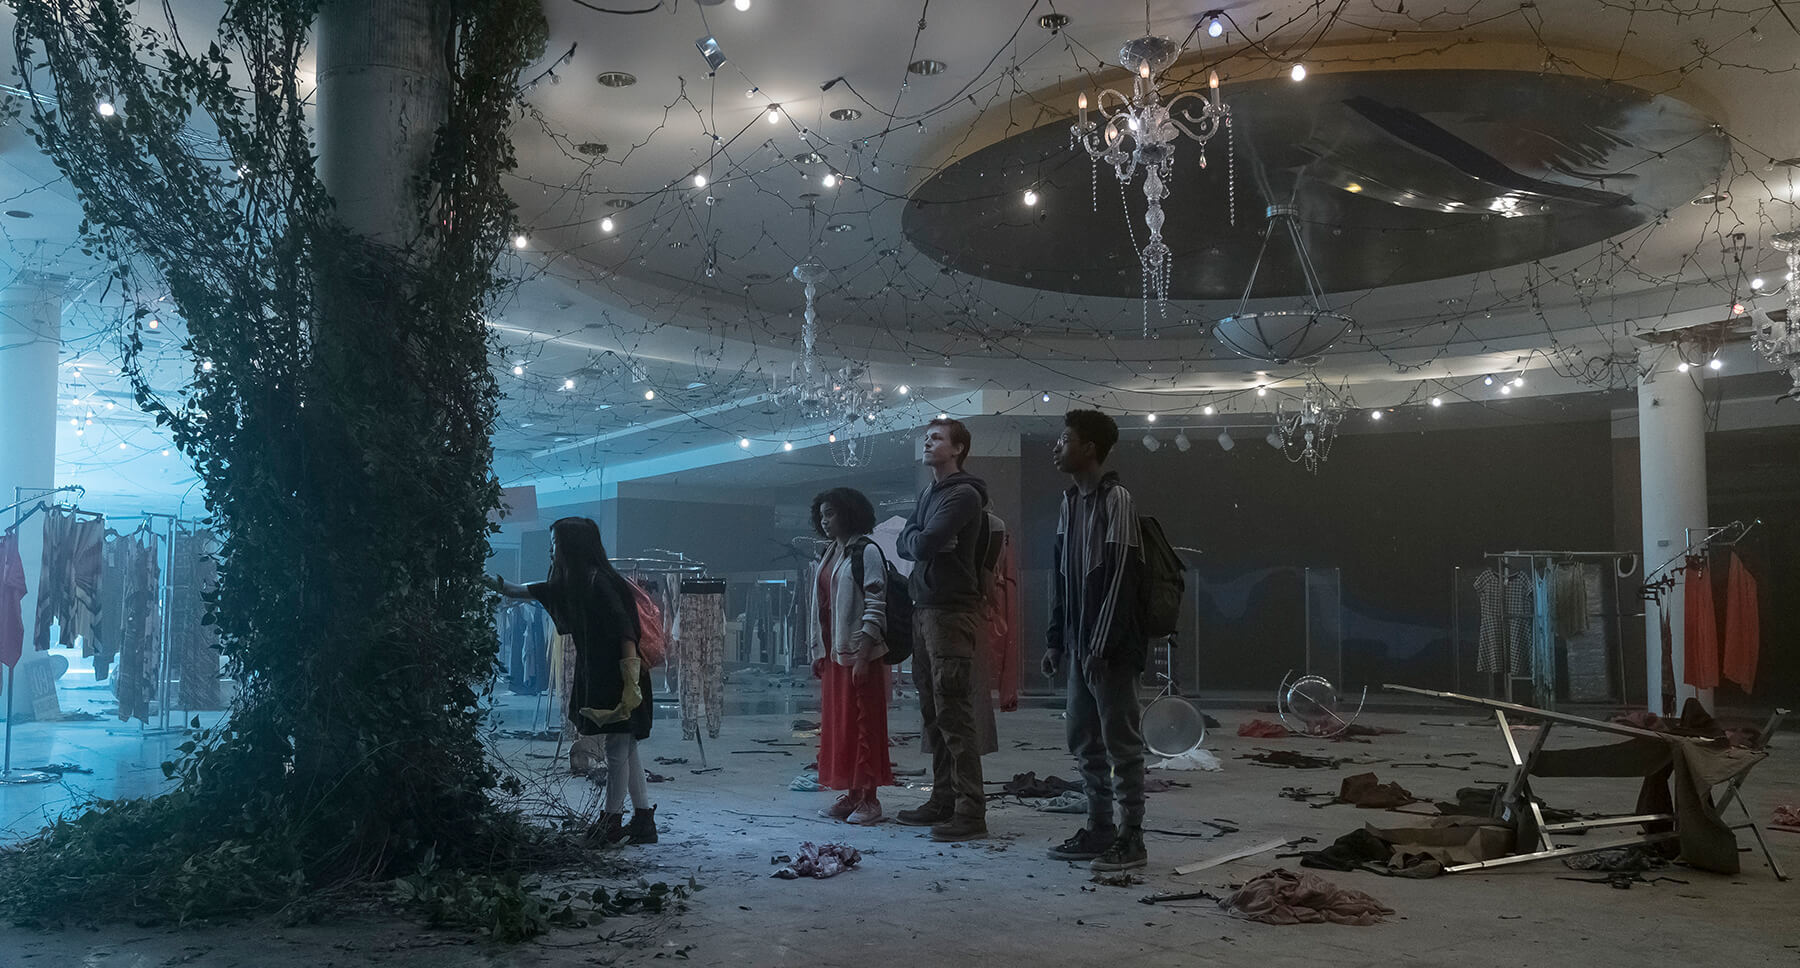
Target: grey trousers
pixel 944 673
pixel 625 773
pixel 1106 735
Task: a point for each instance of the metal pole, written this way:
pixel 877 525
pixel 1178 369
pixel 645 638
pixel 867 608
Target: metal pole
pixel 1456 628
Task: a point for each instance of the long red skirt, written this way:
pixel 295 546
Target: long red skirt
pixel 853 730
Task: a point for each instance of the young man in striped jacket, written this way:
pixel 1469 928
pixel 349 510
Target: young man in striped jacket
pixel 1094 634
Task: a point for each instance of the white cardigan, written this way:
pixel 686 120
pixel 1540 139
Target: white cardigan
pixel 858 615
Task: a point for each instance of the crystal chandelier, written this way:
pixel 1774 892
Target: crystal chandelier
pixel 1283 335
pixel 844 398
pixel 1141 131
pixel 1308 430
pixel 1779 343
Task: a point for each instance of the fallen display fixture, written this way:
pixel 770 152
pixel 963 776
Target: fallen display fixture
pixel 1688 814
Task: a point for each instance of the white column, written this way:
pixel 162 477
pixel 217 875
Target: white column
pixel 1672 465
pixel 383 92
pixel 30 342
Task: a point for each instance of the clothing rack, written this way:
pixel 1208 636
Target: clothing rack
pixel 164 596
pixel 1714 537
pixel 7 775
pixel 1502 560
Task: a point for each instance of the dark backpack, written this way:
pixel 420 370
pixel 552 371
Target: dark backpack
pixel 899 604
pixel 1164 582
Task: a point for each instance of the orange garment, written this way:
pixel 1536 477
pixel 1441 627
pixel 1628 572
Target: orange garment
pixel 1700 628
pixel 1002 622
pixel 1743 628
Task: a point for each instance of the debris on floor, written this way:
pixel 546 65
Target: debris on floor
pixel 1194 759
pixel 1156 784
pixel 1262 729
pixel 1367 791
pixel 1287 759
pixel 1027 786
pixel 1119 879
pixel 1786 815
pixel 820 861
pixel 671 761
pixel 1284 897
pixel 806 783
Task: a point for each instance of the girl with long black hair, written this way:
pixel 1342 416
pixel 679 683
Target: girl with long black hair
pixel 609 692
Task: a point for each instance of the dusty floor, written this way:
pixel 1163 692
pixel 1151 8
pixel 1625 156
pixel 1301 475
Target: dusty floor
pixel 1002 899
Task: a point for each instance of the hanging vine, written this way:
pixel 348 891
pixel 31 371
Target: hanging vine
pixel 339 416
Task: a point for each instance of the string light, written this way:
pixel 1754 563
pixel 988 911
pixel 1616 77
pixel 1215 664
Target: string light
pixel 1045 398
pixel 649 394
pixel 1487 380
pixel 106 109
pixel 1298 72
pixel 744 442
pixel 1215 26
pixel 1374 415
pixel 1715 363
pixel 903 389
pixel 521 240
pixel 1437 401
pixel 1262 391
pixel 699 179
pixel 155 323
pixel 1682 367
pixel 1208 410
pixel 1031 196
pixel 1151 418
pixel 569 384
pixel 787 445
pixel 606 224
pixel 830 180
pixel 1518 381
pixel 518 370
pixel 773 115
pixel 741 5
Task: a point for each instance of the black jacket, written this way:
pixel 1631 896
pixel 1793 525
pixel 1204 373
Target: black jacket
pixel 943 538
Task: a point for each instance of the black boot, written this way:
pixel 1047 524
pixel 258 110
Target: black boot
pixel 642 829
pixel 606 831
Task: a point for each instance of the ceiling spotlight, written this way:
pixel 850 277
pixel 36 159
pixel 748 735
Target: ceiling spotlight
pixel 1031 196
pixel 521 240
pixel 787 445
pixel 606 224
pixel 1682 367
pixel 741 5
pixel 1225 441
pixel 829 180
pixel 649 394
pixel 518 370
pixel 1215 25
pixel 1298 73
pixel 1437 401
pixel 1374 415
pixel 106 109
pixel 1715 364
pixel 1151 443
pixel 1208 410
pixel 569 384
pixel 699 179
pixel 744 442
pixel 903 389
pixel 774 114
pixel 1182 443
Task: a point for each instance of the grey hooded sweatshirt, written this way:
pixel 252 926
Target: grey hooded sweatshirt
pixel 943 538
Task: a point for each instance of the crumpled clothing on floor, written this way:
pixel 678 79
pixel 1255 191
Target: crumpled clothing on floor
pixel 1153 784
pixel 1028 786
pixel 1634 858
pixel 806 783
pixel 1073 801
pixel 1289 758
pixel 1195 759
pixel 1415 852
pixel 1367 791
pixel 1284 897
pixel 1262 729
pixel 1787 815
pixel 820 861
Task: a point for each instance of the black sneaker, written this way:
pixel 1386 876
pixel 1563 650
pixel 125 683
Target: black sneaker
pixel 1085 845
pixel 1126 853
pixel 958 829
pixel 927 814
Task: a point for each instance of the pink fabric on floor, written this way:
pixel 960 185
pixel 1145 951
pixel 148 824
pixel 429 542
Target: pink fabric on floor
pixel 1284 897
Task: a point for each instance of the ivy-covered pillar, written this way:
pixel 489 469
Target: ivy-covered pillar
pixel 383 94
pixel 31 335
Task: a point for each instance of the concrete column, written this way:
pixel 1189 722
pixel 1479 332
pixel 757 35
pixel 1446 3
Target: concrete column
pixel 383 92
pixel 30 341
pixel 1672 458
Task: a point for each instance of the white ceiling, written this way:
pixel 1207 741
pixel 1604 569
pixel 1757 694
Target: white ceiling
pixel 636 310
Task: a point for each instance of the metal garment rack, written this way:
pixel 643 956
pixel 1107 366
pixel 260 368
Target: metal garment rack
pixel 1522 810
pixel 7 775
pixel 165 593
pixel 1502 558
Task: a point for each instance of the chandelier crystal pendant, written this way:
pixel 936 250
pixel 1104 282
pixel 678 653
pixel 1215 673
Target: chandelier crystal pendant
pixel 843 398
pixel 1308 430
pixel 1284 336
pixel 1140 132
pixel 1779 342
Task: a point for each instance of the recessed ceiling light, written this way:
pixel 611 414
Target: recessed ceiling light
pixel 1711 198
pixel 927 68
pixel 616 79
pixel 845 114
pixel 591 148
pixel 618 203
pixel 839 227
pixel 17 213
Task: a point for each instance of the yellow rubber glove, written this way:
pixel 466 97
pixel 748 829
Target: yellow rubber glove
pixel 630 698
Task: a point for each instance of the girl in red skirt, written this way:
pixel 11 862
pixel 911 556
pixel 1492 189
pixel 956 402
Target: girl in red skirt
pixel 849 634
